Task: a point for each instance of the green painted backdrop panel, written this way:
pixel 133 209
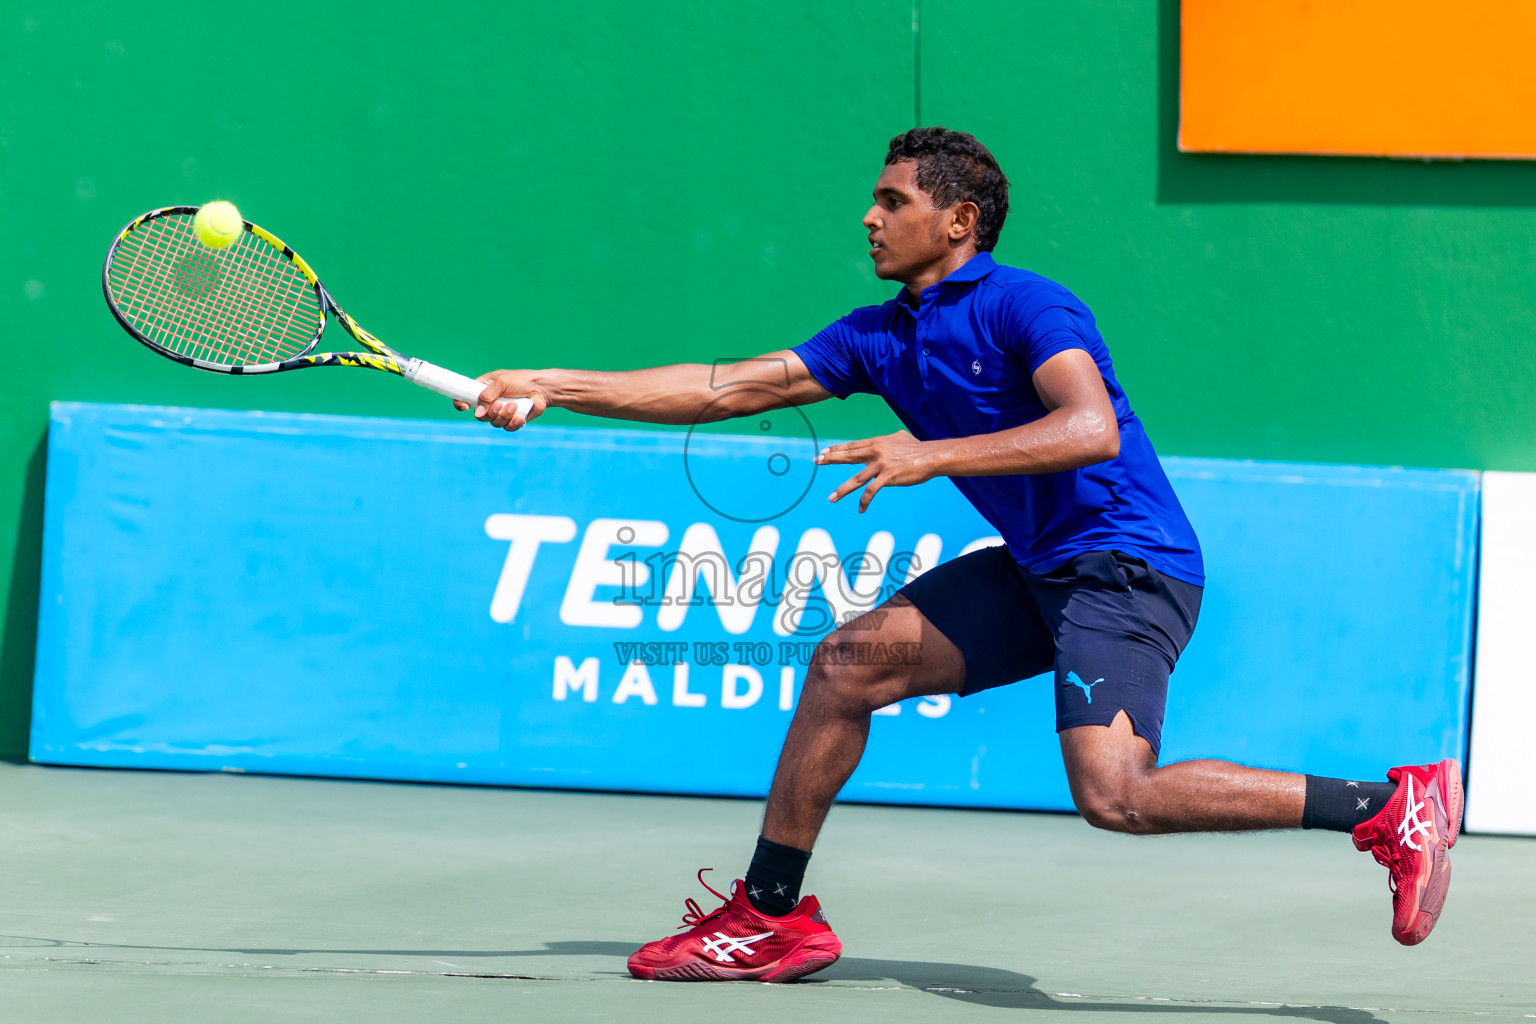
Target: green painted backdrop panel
pixel 1315 309
pixel 599 182
pixel 482 184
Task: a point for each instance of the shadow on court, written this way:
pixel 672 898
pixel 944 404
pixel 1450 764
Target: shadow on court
pixel 993 986
pixel 985 986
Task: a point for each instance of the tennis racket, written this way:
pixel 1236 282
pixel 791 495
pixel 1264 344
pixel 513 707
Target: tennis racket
pixel 253 306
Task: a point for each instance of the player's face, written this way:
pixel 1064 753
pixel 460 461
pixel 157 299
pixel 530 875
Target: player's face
pixel 906 233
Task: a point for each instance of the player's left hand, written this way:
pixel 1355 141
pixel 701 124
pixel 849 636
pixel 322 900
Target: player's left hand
pixel 894 460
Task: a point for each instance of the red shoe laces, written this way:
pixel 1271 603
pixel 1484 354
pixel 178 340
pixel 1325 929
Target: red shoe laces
pixel 694 914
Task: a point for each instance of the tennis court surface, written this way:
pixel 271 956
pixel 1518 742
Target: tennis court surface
pixel 141 896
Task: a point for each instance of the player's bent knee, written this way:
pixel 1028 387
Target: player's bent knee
pixel 1106 815
pixel 1110 807
pixel 849 684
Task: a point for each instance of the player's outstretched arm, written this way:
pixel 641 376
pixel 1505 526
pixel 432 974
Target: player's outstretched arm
pixel 684 393
pixel 1079 430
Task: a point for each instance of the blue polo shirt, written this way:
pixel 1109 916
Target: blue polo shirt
pixel 961 364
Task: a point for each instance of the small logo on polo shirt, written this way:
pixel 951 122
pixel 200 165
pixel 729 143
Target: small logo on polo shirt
pixel 976 367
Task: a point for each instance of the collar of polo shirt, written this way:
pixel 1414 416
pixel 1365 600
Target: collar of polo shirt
pixel 973 269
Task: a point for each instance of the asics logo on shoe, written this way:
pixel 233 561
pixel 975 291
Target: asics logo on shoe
pixel 1087 688
pixel 722 946
pixel 1413 825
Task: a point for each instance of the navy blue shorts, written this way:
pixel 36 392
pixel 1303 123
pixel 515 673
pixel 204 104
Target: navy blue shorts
pixel 1111 626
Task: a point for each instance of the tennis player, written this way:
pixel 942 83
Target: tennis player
pixel 1006 387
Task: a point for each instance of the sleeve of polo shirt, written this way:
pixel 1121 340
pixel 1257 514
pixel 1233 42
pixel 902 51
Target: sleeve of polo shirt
pixel 1052 330
pixel 834 355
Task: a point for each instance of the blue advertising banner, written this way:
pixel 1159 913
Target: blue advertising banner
pixel 595 608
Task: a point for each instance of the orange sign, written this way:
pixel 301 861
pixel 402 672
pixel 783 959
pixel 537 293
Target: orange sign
pixel 1412 78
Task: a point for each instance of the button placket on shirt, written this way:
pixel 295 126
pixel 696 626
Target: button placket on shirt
pixel 925 312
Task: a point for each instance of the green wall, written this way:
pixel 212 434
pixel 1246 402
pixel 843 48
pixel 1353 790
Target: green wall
pixel 618 184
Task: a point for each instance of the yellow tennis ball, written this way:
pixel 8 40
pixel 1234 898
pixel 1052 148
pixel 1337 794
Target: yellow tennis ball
pixel 217 224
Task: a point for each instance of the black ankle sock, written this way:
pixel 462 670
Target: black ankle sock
pixel 773 881
pixel 1339 805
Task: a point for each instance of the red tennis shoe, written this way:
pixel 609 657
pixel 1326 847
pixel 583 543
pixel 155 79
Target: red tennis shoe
pixel 736 943
pixel 1411 837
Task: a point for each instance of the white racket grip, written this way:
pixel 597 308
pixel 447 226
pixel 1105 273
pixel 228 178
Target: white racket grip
pixel 454 385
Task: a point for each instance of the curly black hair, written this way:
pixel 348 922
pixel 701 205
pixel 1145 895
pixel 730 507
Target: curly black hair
pixel 953 167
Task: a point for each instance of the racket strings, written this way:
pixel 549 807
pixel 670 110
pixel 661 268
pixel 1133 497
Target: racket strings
pixel 137 275
pixel 212 314
pixel 168 282
pixel 242 305
pixel 240 331
pixel 146 272
pixel 196 331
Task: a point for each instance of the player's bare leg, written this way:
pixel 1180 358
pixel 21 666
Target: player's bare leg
pixel 831 724
pixel 1117 785
pixel 1408 824
pixel 765 931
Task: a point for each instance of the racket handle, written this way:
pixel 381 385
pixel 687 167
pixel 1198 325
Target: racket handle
pixel 454 385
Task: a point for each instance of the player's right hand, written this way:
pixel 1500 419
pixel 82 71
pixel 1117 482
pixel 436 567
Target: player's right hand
pixel 507 384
